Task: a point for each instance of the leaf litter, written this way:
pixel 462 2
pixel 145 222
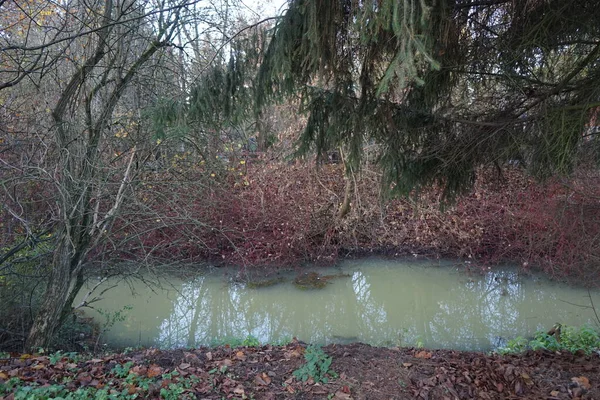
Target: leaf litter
pixel 362 372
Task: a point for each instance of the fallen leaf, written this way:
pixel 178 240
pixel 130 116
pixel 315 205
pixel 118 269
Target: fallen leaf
pixel 576 392
pixel 209 355
pixel 38 366
pixel 527 379
pixel 239 389
pixel 139 370
pixel 184 366
pixel 259 380
pixel 154 371
pixel 131 389
pixel 407 365
pixel 583 382
pixel 340 395
pixel 423 354
pixel 3 376
pixel 240 356
pixel 319 390
pixel 554 393
pixel 518 388
pixel 262 379
pixel 151 352
pixel 291 354
pixel 225 362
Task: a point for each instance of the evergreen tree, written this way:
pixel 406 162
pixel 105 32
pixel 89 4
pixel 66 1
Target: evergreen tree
pixel 443 86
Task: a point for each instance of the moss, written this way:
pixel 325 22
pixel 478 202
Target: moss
pixel 262 283
pixel 314 280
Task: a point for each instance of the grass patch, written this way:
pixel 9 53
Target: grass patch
pixel 562 338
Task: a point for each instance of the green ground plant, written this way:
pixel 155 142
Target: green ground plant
pixel 316 366
pixel 248 341
pixel 571 338
pixel 71 356
pixel 176 389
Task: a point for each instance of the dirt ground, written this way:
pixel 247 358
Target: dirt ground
pixel 361 372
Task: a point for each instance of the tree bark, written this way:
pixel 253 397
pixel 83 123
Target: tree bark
pixel 344 208
pixel 64 283
pixel 78 232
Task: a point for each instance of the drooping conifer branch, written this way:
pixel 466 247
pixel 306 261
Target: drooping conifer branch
pixel 443 86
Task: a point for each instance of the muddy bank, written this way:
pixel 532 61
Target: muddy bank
pixel 357 371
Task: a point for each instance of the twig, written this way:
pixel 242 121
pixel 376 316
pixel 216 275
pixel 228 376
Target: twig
pixel 593 307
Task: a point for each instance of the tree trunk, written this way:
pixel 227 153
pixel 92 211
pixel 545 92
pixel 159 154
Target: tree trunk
pixel 64 283
pixel 344 208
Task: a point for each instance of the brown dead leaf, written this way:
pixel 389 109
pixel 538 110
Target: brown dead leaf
pixel 184 366
pixel 151 352
pixel 239 389
pixel 576 392
pixel 3 376
pixel 96 360
pixel 291 354
pixel 423 354
pixel 260 381
pixel 554 393
pixel 139 370
pixel 84 379
pixel 191 358
pixel 582 381
pixel 131 389
pixel 527 379
pixel 38 366
pixel 225 362
pixel 407 365
pixel 154 371
pixel 209 356
pixel 340 395
pixel 518 388
pixel 240 356
pixel 266 378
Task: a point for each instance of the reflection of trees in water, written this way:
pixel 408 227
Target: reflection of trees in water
pixel 439 310
pixel 176 329
pixel 481 309
pixel 207 310
pixel 372 315
pixel 489 310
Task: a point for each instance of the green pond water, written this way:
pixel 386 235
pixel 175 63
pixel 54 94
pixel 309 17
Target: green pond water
pixel 380 302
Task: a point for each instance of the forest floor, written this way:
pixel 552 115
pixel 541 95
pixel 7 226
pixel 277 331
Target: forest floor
pixel 357 371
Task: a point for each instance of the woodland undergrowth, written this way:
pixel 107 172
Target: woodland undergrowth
pixel 285 214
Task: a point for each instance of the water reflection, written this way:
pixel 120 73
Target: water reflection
pixel 381 302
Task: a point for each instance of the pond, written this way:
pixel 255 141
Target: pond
pixel 376 301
